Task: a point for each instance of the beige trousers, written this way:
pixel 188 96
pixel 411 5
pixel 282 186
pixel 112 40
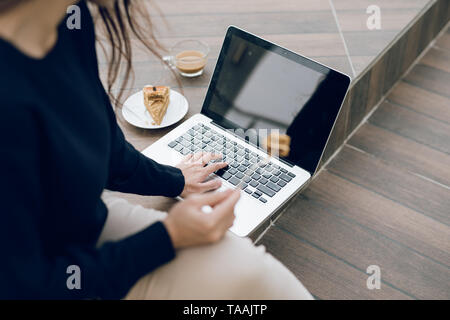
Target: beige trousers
pixel 233 268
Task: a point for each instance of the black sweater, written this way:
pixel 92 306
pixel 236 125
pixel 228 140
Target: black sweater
pixel 60 146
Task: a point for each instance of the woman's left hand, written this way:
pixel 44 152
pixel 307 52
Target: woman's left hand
pixel 195 169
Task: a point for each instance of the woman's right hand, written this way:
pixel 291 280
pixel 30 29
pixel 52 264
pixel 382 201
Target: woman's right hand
pixel 188 225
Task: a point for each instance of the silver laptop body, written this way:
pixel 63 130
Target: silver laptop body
pixel 259 88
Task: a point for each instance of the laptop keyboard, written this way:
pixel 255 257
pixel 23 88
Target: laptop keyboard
pixel 261 182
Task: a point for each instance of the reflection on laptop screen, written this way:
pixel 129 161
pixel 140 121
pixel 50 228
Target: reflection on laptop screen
pixel 258 87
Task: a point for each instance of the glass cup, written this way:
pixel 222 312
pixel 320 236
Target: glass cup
pixel 189 57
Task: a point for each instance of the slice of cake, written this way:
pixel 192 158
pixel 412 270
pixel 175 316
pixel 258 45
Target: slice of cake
pixel 156 100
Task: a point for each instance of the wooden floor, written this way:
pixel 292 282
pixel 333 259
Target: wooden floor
pixel 383 200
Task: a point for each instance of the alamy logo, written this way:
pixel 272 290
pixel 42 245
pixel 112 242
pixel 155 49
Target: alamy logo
pixel 374 280
pixel 74 20
pixel 74 280
pixel 374 20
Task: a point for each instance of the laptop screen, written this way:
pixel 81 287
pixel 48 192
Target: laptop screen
pixel 258 85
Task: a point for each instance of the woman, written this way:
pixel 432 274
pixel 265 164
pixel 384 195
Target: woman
pixel 61 147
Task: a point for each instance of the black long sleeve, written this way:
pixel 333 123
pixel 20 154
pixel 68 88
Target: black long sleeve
pixel 28 270
pixel 60 147
pixel 133 172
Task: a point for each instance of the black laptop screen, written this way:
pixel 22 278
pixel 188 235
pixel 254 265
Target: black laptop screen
pixel 258 85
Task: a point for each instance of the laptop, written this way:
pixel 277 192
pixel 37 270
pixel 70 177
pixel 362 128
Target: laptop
pixel 257 89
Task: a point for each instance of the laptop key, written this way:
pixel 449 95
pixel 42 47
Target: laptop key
pixel 178 147
pixel 263 200
pixel 185 151
pixel 285 177
pixel 267 175
pixel 281 183
pixel 234 181
pixel 254 183
pixel 232 171
pixel 242 168
pixel 256 176
pixel 239 175
pixel 226 176
pixel 273 186
pixel 266 190
pixel 290 174
pixel 274 179
pixel 263 180
pixel 172 144
pixel 248 190
pixel 283 170
pixel 185 143
pixel 255 195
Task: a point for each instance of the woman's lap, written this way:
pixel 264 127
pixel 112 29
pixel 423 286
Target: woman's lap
pixel 233 268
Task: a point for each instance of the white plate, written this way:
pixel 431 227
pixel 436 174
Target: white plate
pixel 135 113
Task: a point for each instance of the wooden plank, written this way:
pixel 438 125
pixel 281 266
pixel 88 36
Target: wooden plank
pixel 383 4
pixel 393 183
pixel 444 41
pixel 432 79
pixel 360 63
pixel 308 44
pixel 401 268
pixel 325 276
pixel 186 8
pixel 428 103
pixel 195 26
pixel 420 233
pixel 363 43
pixel 437 58
pixel 391 19
pixel 413 125
pixel 403 152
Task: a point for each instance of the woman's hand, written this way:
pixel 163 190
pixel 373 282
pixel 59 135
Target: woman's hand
pixel 188 225
pixel 195 169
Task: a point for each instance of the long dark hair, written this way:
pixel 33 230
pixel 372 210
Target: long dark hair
pixel 118 22
pixel 122 20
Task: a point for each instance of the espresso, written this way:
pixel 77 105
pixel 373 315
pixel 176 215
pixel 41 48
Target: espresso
pixel 190 61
